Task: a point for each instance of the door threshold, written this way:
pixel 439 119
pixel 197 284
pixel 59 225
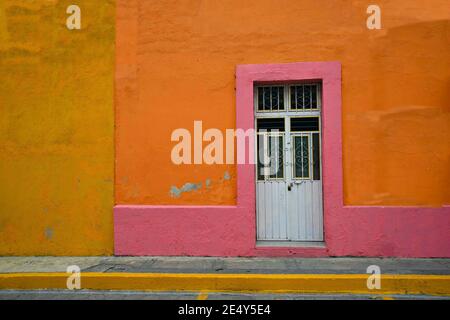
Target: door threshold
pixel 302 244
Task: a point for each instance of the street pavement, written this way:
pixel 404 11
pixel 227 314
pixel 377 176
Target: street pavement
pixel 215 266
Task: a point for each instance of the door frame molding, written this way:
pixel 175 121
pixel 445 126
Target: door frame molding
pixel 329 74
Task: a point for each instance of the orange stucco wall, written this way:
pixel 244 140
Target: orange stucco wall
pixel 176 64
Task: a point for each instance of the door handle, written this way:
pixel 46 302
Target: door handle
pixel 297 182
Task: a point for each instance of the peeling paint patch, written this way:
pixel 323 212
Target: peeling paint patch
pixel 226 176
pixel 187 187
pixel 175 192
pixel 48 233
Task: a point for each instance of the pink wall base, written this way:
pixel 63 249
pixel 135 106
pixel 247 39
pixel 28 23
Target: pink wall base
pixel 231 230
pixel 191 231
pixel 222 231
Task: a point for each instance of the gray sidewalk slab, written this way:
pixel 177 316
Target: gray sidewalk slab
pixel 225 265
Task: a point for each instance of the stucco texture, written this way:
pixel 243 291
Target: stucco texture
pixel 176 63
pixel 56 128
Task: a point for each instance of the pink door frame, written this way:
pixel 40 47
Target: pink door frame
pixel 231 230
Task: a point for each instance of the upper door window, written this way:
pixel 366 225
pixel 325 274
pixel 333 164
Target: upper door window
pixel 293 97
pixel 270 98
pixel 305 97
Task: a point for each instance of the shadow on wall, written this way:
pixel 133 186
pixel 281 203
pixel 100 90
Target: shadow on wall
pixel 407 128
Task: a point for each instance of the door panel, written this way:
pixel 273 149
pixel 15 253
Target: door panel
pixel 272 211
pixel 271 188
pixel 305 196
pixel 289 186
pixel 305 211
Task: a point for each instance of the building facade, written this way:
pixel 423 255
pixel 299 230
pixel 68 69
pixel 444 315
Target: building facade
pixel 354 123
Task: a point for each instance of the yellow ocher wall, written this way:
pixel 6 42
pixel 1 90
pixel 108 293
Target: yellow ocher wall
pixel 56 128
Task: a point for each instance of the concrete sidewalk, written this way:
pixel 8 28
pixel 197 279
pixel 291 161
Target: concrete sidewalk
pixel 229 275
pixel 225 265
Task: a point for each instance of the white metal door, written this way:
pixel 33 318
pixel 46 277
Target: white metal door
pixel 288 145
pixel 271 188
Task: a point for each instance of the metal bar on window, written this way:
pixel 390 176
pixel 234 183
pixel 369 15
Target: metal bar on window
pixel 303 97
pixel 270 98
pixel 301 156
pixel 264 165
pixel 278 99
pixel 264 99
pixel 310 155
pixel 295 101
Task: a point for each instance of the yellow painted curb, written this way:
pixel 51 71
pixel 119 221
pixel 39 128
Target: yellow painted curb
pixel 263 283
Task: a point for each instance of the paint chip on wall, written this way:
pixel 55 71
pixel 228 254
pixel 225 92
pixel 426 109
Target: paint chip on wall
pixel 49 233
pixel 187 187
